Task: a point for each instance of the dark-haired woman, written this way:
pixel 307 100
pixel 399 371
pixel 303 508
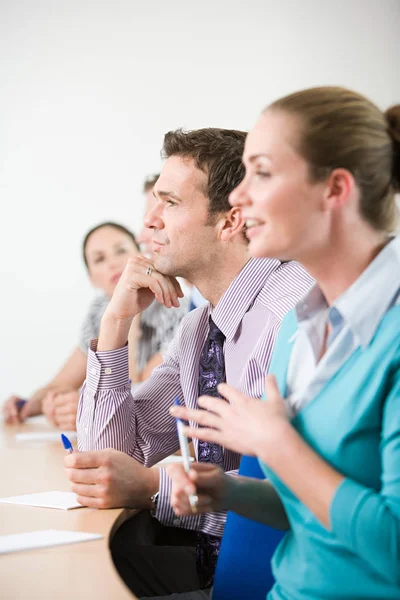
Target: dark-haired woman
pixel 106 249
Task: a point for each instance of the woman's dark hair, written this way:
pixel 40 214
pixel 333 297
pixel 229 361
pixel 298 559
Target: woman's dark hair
pixel 100 226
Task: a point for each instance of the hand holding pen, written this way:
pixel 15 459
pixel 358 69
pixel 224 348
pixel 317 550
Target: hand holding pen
pixel 207 481
pixel 16 410
pixel 67 444
pixel 184 446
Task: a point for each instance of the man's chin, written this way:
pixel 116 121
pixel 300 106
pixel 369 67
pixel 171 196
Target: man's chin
pixel 164 266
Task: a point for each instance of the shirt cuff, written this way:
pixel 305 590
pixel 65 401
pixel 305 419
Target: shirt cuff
pixel 346 504
pixel 107 370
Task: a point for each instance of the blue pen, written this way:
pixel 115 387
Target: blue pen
pixel 67 444
pixel 20 404
pixel 184 445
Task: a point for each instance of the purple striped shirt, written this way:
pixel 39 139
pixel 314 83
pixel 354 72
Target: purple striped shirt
pixel 249 314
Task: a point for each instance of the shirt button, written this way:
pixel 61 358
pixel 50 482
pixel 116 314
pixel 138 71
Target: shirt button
pixel 93 371
pixel 108 371
pixel 176 522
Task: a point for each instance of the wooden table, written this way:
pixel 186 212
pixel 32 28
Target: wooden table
pixel 73 572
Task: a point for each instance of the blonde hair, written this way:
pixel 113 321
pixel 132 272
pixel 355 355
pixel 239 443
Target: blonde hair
pixel 342 129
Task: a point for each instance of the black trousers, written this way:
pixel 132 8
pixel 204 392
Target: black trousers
pixel 154 560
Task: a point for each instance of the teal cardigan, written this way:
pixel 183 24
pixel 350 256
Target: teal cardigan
pixel 354 424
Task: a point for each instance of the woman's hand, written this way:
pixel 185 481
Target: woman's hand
pixel 13 414
pixel 242 424
pixel 61 407
pixel 206 481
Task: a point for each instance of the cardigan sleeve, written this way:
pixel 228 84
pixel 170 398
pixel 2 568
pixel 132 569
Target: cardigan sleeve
pixel 367 521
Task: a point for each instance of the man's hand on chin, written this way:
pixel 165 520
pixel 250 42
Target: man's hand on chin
pixel 110 479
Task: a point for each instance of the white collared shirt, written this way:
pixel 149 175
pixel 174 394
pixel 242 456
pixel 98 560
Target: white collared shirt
pixel 354 318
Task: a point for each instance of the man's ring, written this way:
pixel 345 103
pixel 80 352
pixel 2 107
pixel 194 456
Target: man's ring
pixel 149 271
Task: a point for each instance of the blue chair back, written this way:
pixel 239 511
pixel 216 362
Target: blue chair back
pixel 244 562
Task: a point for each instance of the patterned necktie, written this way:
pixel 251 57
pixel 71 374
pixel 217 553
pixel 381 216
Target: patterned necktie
pixel 211 374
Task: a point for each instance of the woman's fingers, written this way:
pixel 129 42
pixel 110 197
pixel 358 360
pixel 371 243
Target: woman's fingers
pixel 202 417
pixel 215 407
pixel 178 475
pixel 231 394
pixel 180 480
pixel 182 506
pixel 182 487
pixel 204 434
pixel 198 491
pixel 271 388
pixel 10 411
pixel 30 408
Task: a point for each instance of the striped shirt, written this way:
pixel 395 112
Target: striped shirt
pixel 249 315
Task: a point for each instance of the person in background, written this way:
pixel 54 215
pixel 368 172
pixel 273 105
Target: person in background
pixel 322 169
pixel 106 249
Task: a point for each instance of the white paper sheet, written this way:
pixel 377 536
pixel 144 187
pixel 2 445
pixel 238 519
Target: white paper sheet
pixel 61 500
pixel 43 539
pixel 45 436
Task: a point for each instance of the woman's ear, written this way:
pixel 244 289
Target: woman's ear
pixel 340 187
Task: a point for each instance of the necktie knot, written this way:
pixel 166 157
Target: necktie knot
pixel 215 334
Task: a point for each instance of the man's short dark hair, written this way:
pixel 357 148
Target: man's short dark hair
pixel 218 153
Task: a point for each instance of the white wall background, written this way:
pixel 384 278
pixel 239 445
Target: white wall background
pixel 87 90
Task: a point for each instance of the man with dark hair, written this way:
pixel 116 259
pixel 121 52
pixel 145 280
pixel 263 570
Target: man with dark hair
pixel 215 152
pixel 158 324
pixel 145 239
pixel 199 236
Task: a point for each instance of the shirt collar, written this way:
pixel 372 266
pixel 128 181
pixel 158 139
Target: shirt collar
pixel 363 305
pixel 313 303
pixel 240 295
